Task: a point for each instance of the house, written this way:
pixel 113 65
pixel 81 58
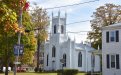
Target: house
pixel 62 52
pixel 111 49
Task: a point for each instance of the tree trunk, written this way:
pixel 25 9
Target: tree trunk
pixel 38 53
pixel 6 69
pixel 6 56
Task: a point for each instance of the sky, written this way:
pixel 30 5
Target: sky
pixel 75 13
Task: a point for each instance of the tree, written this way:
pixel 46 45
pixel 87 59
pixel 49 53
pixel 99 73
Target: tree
pixel 104 16
pixel 9 29
pixel 40 21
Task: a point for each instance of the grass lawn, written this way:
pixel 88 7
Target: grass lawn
pixel 37 74
pixel 31 74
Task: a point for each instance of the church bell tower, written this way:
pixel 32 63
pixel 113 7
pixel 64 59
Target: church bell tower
pixel 58 24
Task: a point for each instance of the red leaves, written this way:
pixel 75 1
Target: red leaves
pixel 26 6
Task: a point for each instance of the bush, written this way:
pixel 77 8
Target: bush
pixel 89 73
pixel 38 69
pixel 68 72
pixel 1 71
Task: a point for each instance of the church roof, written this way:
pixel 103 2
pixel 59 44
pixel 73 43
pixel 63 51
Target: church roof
pixel 81 46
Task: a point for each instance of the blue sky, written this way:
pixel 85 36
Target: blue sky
pixel 76 13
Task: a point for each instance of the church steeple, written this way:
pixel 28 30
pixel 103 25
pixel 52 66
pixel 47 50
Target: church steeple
pixel 52 14
pixel 59 14
pixel 58 24
pixel 65 15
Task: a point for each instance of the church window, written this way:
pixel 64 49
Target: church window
pixel 80 59
pixel 54 29
pixel 64 57
pixel 53 51
pixel 47 59
pixel 108 60
pixel 62 29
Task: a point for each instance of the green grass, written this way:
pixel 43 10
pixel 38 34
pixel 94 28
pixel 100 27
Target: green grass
pixel 31 74
pixel 37 73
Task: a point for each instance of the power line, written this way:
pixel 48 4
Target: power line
pixel 69 5
pixel 72 4
pixel 77 22
pixel 77 32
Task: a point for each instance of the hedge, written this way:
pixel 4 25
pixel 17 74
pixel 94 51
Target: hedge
pixel 67 72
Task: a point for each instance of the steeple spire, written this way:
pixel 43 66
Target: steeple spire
pixel 52 14
pixel 59 14
pixel 65 14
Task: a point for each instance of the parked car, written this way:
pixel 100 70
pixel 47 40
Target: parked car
pixel 21 69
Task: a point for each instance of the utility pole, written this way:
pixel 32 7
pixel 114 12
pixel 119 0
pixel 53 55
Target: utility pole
pixel 19 39
pixel 6 56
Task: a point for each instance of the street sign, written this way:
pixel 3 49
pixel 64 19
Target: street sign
pixel 18 49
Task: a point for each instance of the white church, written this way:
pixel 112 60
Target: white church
pixel 62 52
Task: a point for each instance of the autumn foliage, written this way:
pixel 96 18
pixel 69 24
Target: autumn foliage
pixel 8 18
pixel 10 11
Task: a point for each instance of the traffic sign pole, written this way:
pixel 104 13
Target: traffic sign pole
pixel 19 37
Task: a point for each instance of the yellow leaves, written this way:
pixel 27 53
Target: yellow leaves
pixel 27 58
pixel 33 41
pixel 13 27
pixel 8 21
pixel 18 29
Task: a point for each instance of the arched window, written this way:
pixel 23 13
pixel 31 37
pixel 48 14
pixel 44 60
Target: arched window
pixel 62 29
pixel 54 29
pixel 64 57
pixel 80 59
pixel 53 51
pixel 47 59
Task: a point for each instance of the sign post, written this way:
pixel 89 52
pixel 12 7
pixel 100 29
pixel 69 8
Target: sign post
pixel 18 50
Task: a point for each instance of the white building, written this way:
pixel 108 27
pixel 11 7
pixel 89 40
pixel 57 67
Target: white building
pixel 60 46
pixel 111 49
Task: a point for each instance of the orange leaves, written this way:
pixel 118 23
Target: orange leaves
pixel 7 26
pixel 18 29
pixel 13 27
pixel 8 20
